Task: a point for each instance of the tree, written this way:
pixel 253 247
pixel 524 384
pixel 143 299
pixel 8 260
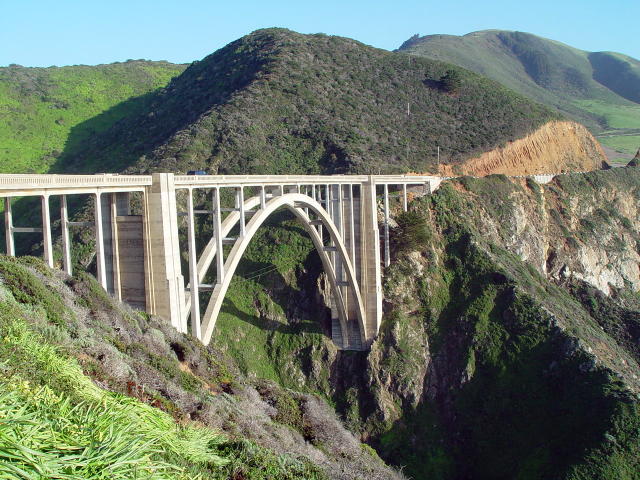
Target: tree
pixel 451 81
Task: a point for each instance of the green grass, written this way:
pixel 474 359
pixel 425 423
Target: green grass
pixel 55 422
pixel 58 421
pixel 44 111
pixel 599 90
pixel 622 143
pixel 616 116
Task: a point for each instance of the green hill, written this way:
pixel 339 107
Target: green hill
pixel 276 101
pixel 40 106
pixel 601 90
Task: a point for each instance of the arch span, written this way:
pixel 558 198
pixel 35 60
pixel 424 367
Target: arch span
pixel 298 204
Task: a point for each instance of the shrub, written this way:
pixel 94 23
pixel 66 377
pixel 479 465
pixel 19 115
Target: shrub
pixel 412 233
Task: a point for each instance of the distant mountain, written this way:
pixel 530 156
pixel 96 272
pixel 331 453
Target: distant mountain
pixel 600 90
pixel 276 101
pixel 44 111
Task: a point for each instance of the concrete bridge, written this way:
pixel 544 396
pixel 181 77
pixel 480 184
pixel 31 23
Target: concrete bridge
pixel 138 256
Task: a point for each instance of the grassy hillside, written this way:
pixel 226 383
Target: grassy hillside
pixel 280 102
pixel 93 390
pixel 601 90
pixel 44 111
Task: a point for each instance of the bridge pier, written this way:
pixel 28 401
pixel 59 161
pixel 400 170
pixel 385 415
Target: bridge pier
pixel 371 274
pixel 164 281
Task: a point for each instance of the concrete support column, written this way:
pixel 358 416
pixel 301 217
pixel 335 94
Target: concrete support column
pixel 46 230
pixel 263 197
pixel 66 241
pixel 8 228
pixel 316 194
pixel 163 250
pixel 217 231
pixel 194 282
pixel 371 283
pixel 404 197
pixel 387 250
pixel 100 260
pixel 114 264
pixel 339 219
pixel 327 201
pixel 240 207
pixel 352 226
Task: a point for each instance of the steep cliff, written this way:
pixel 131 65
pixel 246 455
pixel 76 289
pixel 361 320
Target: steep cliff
pixel 553 148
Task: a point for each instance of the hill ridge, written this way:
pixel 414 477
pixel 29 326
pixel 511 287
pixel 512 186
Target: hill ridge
pixel 598 89
pixel 276 101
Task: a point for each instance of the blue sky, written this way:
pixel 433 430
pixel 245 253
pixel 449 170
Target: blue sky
pixel 69 32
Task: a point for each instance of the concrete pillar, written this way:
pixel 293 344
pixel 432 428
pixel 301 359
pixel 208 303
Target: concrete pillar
pixel 46 231
pixel 8 228
pixel 316 194
pixel 371 283
pixel 387 250
pixel 194 282
pixel 66 241
pixel 217 231
pixel 352 227
pixel 114 280
pixel 263 197
pixel 163 250
pixel 240 207
pixel 100 261
pixel 404 197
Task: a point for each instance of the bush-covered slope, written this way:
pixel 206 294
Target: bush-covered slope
pixel 276 101
pixel 598 89
pixel 44 111
pixel 91 389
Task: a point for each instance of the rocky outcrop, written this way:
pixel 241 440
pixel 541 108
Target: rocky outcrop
pixel 553 148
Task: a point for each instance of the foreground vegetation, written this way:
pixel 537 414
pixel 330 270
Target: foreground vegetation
pixel 91 389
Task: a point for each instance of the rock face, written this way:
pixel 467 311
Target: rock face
pixel 475 340
pixel 581 227
pixel 553 148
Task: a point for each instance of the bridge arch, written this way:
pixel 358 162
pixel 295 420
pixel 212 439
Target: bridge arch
pixel 299 204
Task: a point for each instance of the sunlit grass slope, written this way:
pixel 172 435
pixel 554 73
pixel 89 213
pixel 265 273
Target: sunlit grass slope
pixel 45 110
